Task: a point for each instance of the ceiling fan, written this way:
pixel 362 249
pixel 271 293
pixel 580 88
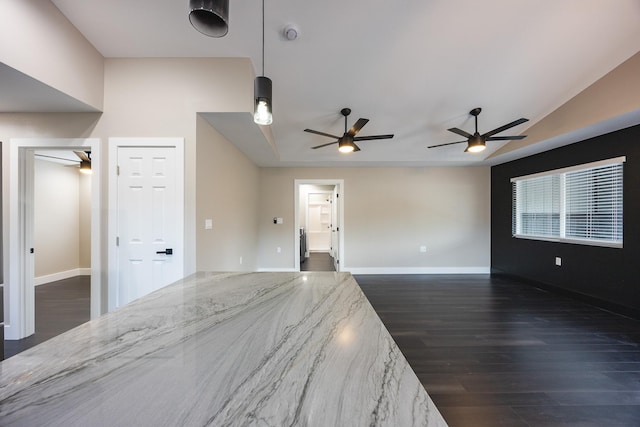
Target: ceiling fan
pixel 476 142
pixel 346 142
pixel 84 162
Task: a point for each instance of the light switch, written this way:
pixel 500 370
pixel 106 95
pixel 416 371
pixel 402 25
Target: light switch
pixel 208 224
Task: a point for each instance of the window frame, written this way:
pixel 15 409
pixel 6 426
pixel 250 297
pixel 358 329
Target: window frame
pixel 561 237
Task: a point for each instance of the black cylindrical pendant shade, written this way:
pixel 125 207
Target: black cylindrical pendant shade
pixel 210 17
pixel 262 89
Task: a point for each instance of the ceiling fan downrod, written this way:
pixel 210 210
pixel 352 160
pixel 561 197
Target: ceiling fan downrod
pixel 345 112
pixel 475 112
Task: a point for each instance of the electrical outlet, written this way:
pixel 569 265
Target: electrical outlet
pixel 208 224
pixel 240 260
pixel 558 261
pixel 278 250
pixel 423 249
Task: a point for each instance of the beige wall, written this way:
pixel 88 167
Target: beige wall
pixel 85 221
pixel 156 97
pixel 62 219
pixel 388 214
pixel 38 40
pixel 227 193
pixel 56 218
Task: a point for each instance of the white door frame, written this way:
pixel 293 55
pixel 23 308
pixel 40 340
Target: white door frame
pixel 18 284
pixel 112 232
pixel 339 183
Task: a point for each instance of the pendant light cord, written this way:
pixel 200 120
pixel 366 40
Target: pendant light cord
pixel 263 38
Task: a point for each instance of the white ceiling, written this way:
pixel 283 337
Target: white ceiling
pixel 413 67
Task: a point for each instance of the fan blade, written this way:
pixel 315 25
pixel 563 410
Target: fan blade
pixel 448 143
pixel 367 138
pixel 355 148
pixel 460 132
pixel 505 127
pixel 324 145
pixel 321 133
pixel 83 156
pixel 505 138
pixel 357 126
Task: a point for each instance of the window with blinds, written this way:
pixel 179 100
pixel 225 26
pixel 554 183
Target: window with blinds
pixel 580 204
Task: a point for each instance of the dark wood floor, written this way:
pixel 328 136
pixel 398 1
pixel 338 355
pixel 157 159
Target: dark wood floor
pixel 318 261
pixel 494 352
pixel 60 306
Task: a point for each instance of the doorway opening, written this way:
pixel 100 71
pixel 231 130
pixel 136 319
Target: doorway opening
pixel 318 220
pixel 62 215
pixel 19 229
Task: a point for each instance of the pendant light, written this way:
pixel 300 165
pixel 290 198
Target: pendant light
pixel 210 17
pixel 262 90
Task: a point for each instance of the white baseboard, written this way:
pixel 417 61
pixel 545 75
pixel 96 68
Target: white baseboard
pixel 48 278
pixel 275 270
pixel 418 270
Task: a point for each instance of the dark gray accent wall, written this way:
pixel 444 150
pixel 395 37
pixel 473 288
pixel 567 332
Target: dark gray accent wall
pixel 609 277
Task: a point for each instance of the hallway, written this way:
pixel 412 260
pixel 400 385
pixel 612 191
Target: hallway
pixel 318 261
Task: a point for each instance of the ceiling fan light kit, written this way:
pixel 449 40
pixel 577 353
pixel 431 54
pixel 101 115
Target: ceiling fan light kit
pixel 210 17
pixel 262 91
pixel 476 142
pixel 85 161
pixel 85 167
pixel 346 142
pixel 475 145
pixel 346 145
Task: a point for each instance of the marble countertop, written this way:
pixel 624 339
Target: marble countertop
pixel 223 349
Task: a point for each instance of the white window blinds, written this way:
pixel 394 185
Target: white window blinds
pixel 580 204
pixel 537 203
pixel 594 203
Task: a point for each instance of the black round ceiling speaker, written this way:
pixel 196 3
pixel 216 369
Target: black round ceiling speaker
pixel 210 17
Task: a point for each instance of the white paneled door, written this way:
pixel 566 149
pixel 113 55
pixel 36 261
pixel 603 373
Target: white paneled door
pixel 149 228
